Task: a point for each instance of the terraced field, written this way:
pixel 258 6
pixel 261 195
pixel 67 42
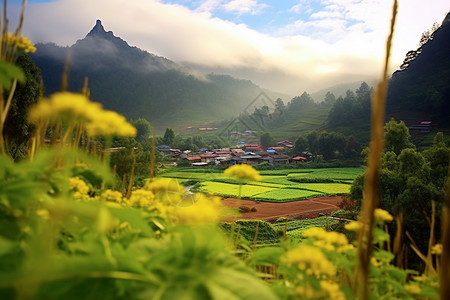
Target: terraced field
pixel 276 185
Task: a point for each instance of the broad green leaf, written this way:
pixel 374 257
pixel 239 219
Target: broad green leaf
pixel 229 284
pixel 9 72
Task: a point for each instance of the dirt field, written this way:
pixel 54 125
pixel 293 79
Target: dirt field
pixel 270 211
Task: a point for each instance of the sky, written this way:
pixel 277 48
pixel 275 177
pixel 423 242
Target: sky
pixel 288 46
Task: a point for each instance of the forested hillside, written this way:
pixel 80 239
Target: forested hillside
pixel 422 86
pixel 139 84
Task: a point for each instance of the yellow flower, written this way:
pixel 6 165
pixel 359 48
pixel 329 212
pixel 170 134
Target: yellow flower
pixel 324 238
pixel 412 289
pixel 78 108
pixel 112 196
pixel 354 226
pixel 307 292
pixel 79 189
pixel 43 213
pixel 204 210
pixel 382 215
pixel 164 184
pixel 109 123
pixel 62 104
pixel 311 260
pixel 375 262
pixel 242 172
pixel 141 198
pixel 437 249
pixel 19 42
pixel 78 185
pixel 332 289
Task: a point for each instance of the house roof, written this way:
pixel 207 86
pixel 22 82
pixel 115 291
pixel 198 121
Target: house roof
pixel 194 157
pixel 299 158
pixel 209 155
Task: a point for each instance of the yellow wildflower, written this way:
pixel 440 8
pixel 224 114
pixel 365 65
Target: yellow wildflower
pixel 421 278
pixel 62 104
pixel 354 226
pixel 437 249
pixel 141 198
pixel 19 42
pixel 242 172
pixel 79 189
pixel 375 262
pixel 164 184
pixel 79 108
pixel 43 213
pixel 382 215
pixel 78 185
pixel 109 123
pixel 412 289
pixel 307 292
pixel 311 260
pixel 112 196
pixel 332 289
pixel 324 238
pixel 204 210
pixel 166 190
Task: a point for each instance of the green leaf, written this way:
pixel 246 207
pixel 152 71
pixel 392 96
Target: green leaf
pixel 229 284
pixel 430 292
pixel 8 73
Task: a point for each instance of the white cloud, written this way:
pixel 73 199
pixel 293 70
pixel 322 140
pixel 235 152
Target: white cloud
pixel 244 6
pixel 343 41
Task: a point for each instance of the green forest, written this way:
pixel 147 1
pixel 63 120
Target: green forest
pixel 98 198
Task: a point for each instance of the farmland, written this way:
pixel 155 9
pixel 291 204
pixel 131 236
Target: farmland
pixel 275 185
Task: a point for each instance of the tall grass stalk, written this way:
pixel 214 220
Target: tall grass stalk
pixel 445 260
pixel 371 185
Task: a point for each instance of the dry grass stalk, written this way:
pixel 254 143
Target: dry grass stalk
pixel 445 259
pixel 371 185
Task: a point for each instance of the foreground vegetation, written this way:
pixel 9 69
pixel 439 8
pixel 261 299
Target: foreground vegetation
pixel 69 230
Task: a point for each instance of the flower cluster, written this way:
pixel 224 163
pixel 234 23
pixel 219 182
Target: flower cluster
pixel 112 196
pixel 382 215
pixel 328 240
pixel 78 108
pixel 166 190
pixel 19 42
pixel 311 260
pixel 79 188
pixel 204 210
pixel 242 172
pixel 141 198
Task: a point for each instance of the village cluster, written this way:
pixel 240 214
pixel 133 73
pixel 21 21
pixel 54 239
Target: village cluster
pixel 243 153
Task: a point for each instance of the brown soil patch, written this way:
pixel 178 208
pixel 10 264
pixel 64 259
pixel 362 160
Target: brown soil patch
pixel 271 211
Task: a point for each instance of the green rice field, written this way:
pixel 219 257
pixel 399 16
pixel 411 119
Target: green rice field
pixel 275 186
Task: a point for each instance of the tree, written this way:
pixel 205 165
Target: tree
pixel 266 140
pixel 279 106
pixel 329 99
pixel 169 136
pixel 301 102
pixel 198 141
pixel 312 138
pixel 300 145
pixel 144 129
pixel 352 148
pixel 396 136
pixel 18 131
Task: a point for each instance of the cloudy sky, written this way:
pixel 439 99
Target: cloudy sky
pixel 284 45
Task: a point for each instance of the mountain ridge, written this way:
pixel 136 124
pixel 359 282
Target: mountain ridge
pixel 139 84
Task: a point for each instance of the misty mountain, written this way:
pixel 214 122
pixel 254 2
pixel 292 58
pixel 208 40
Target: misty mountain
pixel 339 90
pixel 138 84
pixel 423 86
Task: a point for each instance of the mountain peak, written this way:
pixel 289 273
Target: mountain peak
pixel 99 30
